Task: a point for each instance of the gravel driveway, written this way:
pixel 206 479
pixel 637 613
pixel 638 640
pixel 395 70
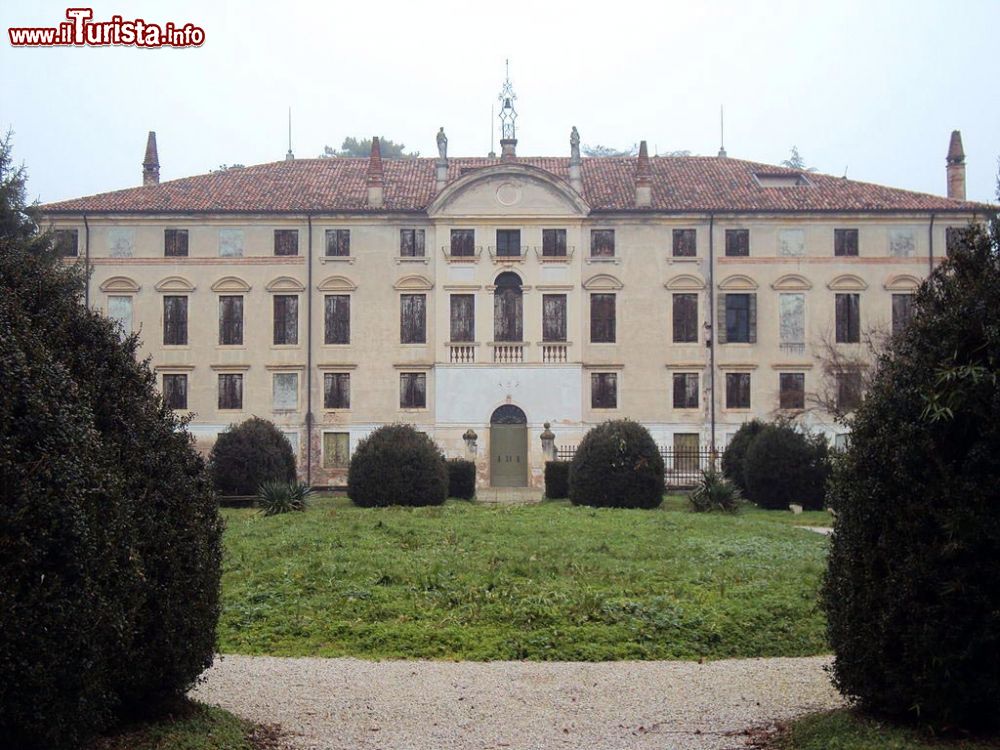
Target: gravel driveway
pixel 348 704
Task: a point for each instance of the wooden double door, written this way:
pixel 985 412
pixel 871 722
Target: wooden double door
pixel 508 447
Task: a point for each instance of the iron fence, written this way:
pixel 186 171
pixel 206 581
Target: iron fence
pixel 682 467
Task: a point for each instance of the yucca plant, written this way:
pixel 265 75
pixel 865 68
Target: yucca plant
pixel 282 497
pixel 715 492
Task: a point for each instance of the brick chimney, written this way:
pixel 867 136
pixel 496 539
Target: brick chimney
pixel 376 177
pixel 151 164
pixel 643 179
pixel 956 167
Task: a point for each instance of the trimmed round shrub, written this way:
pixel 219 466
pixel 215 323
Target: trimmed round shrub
pixel 397 465
pixel 110 539
pixel 784 466
pixel 912 593
pixel 461 478
pixel 617 465
pixel 557 479
pixel 247 455
pixel 734 455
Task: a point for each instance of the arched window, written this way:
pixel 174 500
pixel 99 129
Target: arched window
pixel 508 414
pixel 507 308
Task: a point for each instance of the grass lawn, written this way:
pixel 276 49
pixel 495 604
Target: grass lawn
pixel 192 726
pixel 846 730
pixel 541 582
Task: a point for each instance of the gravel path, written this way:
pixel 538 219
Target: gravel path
pixel 348 704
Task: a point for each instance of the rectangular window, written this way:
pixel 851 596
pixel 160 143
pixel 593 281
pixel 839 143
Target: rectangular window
pixel 740 312
pixel 175 243
pixel 687 452
pixel 337 390
pixel 336 450
pixel 175 321
pixel 508 243
pixel 463 317
pixel 792 390
pixel 902 311
pixel 845 242
pixel 285 391
pixel 286 241
pixel 175 391
pixel 411 243
pixel 685 318
pixel 286 319
pixel 792 243
pixel 737 390
pixel 67 242
pixel 848 318
pixel 120 311
pixel 230 243
pixel 554 243
pixel 902 243
pixel 231 320
pixel 553 317
pixel 337 319
pixel 463 242
pixel 602 318
pixel 338 243
pixel 686 390
pixel 413 390
pixel 737 242
pixel 685 243
pixel 604 390
pixel 953 237
pixel 602 243
pixel 848 390
pixel 792 319
pixel 230 390
pixel 413 319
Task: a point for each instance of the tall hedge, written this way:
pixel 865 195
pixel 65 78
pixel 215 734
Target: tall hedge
pixel 461 478
pixel 617 465
pixel 912 593
pixel 397 465
pixel 783 465
pixel 110 540
pixel 734 455
pixel 247 455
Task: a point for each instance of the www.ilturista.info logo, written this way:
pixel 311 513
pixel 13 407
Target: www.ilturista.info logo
pixel 80 31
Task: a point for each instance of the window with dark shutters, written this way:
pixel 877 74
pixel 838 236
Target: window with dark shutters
pixel 175 243
pixel 463 242
pixel 737 390
pixel 848 310
pixel 604 390
pixel 508 308
pixel 739 312
pixel 67 242
pixel 413 319
pixel 463 317
pixel 230 391
pixel 286 241
pixel 337 319
pixel 231 320
pixel 175 321
pixel 685 318
pixel 338 243
pixel 902 311
pixel 553 317
pixel 602 318
pixel 286 319
pixel 737 242
pixel 411 243
pixel 175 391
pixel 952 240
pixel 413 390
pixel 685 243
pixel 686 390
pixel 337 390
pixel 602 243
pixel 792 390
pixel 554 243
pixel 508 243
pixel 845 242
pixel 848 390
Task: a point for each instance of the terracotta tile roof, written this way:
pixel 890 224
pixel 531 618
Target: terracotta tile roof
pixel 680 184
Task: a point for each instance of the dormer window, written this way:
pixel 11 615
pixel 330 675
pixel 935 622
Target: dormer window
pixel 781 180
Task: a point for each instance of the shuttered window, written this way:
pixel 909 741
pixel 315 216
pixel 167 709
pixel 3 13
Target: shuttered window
pixel 230 390
pixel 737 242
pixel 848 318
pixel 685 318
pixel 338 243
pixel 604 390
pixel 175 243
pixel 175 321
pixel 737 390
pixel 602 318
pixel 553 317
pixel 286 319
pixel 336 450
pixel 411 243
pixel 902 311
pixel 508 242
pixel 845 242
pixel 337 319
pixel 175 391
pixel 602 243
pixel 412 390
pixel 554 243
pixel 463 242
pixel 463 317
pixel 286 241
pixel 685 243
pixel 686 390
pixel 792 390
pixel 337 390
pixel 413 319
pixel 231 320
pixel 738 314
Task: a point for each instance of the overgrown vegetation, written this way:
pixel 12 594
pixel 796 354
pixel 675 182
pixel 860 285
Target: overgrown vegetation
pixel 557 480
pixel 397 465
pixel 550 581
pixel 275 498
pixel 783 465
pixel 715 493
pixel 912 592
pixel 247 455
pixel 110 540
pixel 617 465
pixel 461 478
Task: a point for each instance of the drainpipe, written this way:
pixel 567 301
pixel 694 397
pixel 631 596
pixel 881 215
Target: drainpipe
pixel 930 244
pixel 309 351
pixel 711 324
pixel 86 261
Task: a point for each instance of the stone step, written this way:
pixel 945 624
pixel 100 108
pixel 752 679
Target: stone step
pixel 509 495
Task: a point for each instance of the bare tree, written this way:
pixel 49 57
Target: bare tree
pixel 845 370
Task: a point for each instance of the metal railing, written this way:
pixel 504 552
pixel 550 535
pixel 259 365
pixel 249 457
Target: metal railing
pixel 682 467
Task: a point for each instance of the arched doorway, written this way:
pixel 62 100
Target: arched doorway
pixel 508 447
